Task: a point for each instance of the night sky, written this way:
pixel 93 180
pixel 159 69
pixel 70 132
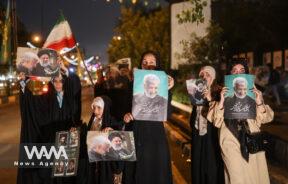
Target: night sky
pixel 91 21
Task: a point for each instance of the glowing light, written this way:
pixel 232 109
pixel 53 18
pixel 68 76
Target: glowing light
pixel 119 38
pixel 71 69
pixel 146 3
pixel 1 85
pixel 73 57
pixel 134 1
pixel 13 84
pixel 36 38
pixel 45 89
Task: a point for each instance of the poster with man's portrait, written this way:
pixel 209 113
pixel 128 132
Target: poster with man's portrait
pixel 150 95
pixel 110 146
pixel 37 62
pixel 239 101
pixel 195 88
pixel 70 141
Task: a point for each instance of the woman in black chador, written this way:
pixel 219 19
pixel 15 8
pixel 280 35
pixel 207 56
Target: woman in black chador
pixel 42 116
pixel 207 164
pixel 102 172
pixel 152 151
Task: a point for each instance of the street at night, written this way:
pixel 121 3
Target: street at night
pixel 143 92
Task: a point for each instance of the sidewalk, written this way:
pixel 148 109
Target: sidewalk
pixel 276 132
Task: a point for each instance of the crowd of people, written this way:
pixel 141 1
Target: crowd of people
pixel 219 155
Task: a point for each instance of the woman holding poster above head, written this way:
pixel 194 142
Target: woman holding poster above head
pixel 207 164
pixel 240 139
pixel 153 163
pixel 43 115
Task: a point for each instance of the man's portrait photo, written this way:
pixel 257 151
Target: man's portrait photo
pixel 74 139
pixel 122 145
pixel 39 63
pixel 150 95
pixel 48 65
pixel 63 139
pixel 71 168
pixel 27 60
pixel 240 100
pixel 110 146
pixel 59 169
pixel 195 88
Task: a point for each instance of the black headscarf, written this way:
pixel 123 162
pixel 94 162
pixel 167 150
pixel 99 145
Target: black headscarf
pixel 157 57
pixel 236 61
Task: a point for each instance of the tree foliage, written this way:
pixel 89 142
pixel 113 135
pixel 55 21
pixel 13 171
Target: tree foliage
pixel 194 14
pixel 204 50
pixel 141 31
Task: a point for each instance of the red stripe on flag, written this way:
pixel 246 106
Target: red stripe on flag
pixel 66 42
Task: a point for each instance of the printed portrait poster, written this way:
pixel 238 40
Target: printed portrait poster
pixel 277 59
pixel 286 60
pixel 195 88
pixel 267 58
pixel 70 140
pixel 150 95
pixel 239 101
pixel 250 58
pixel 37 62
pixel 110 146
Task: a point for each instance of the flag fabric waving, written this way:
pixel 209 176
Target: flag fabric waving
pixel 61 36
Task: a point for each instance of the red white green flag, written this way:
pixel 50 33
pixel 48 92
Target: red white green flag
pixel 61 36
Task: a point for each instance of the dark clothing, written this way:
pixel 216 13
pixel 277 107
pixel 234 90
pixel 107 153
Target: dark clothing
pixel 207 164
pixel 41 117
pixel 145 108
pixel 239 108
pixel 153 163
pixel 102 172
pixel 121 98
pixel 274 77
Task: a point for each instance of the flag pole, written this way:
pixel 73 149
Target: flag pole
pixel 81 58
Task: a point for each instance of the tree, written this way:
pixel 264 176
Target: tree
pixel 141 31
pixel 204 50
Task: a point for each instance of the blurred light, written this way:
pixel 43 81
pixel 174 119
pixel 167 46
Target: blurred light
pixel 43 82
pixel 45 89
pixel 36 38
pixel 2 77
pixel 146 3
pixel 13 84
pixel 86 78
pixel 97 57
pixel 134 1
pixel 1 84
pixel 10 76
pixel 120 1
pixel 71 69
pixel 73 57
pixel 119 38
pixel 85 73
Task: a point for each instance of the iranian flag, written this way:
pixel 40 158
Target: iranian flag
pixel 61 36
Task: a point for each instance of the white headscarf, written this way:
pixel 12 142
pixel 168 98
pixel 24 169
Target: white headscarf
pixel 210 70
pixel 98 101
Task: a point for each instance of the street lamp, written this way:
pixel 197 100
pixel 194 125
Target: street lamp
pixel 36 38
